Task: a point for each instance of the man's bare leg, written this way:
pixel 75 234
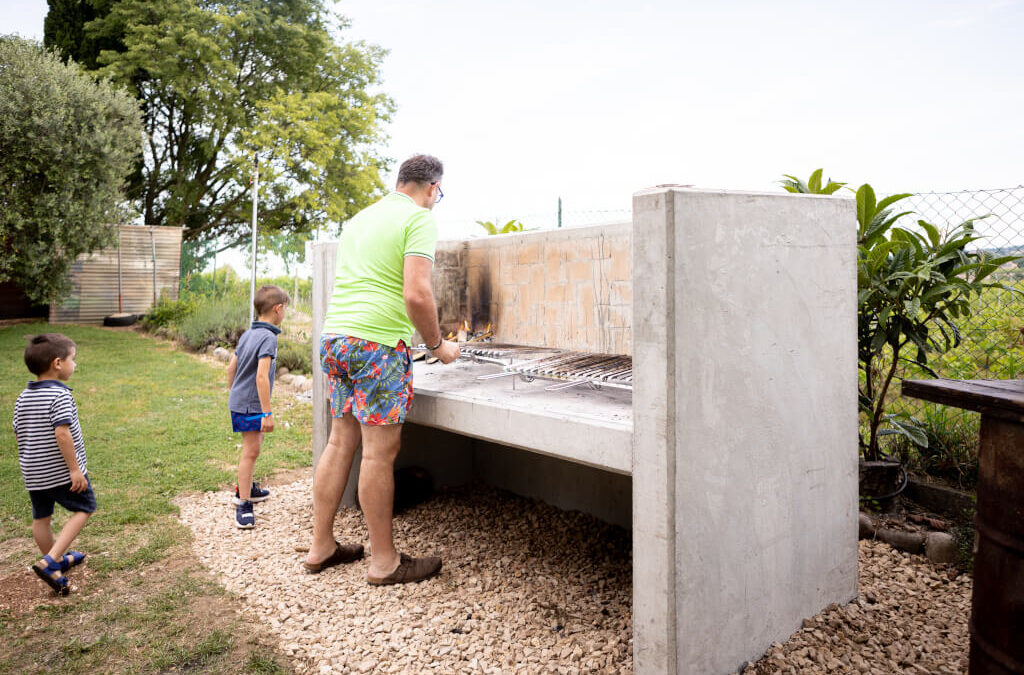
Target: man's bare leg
pixel 329 484
pixel 377 494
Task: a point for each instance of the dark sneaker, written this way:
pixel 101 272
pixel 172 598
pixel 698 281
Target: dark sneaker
pixel 244 517
pixel 256 494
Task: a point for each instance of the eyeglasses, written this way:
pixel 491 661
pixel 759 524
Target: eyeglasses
pixel 440 195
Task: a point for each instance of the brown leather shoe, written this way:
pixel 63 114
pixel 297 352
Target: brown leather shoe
pixel 409 570
pixel 342 554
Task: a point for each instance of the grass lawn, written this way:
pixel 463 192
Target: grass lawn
pixel 155 424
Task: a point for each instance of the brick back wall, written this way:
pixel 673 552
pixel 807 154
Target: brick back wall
pixel 570 289
pixel 449 282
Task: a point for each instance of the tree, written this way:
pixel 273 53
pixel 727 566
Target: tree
pixel 290 248
pixel 64 30
pixel 68 143
pixel 222 83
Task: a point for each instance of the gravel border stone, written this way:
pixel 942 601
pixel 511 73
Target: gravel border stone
pixel 910 617
pixel 525 587
pixel 528 588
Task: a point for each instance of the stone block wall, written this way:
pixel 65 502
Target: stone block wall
pixel 571 289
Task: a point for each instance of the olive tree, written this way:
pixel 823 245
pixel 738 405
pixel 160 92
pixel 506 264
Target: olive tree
pixel 67 145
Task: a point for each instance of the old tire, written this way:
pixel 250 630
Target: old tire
pixel 120 319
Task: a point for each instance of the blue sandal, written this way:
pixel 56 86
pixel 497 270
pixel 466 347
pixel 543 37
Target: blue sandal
pixel 59 584
pixel 70 559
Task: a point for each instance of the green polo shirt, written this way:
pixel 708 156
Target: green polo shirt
pixel 367 301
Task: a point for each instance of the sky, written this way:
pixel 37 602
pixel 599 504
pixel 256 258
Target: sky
pixel 530 101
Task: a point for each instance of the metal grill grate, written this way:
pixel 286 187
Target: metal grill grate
pixel 574 369
pixel 506 353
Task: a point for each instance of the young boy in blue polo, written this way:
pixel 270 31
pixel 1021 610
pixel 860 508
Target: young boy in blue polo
pixel 52 455
pixel 251 380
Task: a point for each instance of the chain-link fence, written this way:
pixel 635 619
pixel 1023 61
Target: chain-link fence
pixel 991 338
pixel 991 344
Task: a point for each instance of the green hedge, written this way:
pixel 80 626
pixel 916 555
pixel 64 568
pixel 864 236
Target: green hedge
pixel 216 321
pixel 202 319
pixel 168 313
pixel 295 356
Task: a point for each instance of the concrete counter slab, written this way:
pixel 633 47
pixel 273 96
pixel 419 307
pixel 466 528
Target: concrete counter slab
pixel 593 428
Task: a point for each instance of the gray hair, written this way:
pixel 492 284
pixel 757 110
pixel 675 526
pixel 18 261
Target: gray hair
pixel 425 169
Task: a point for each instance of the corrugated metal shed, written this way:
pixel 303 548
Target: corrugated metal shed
pixel 94 277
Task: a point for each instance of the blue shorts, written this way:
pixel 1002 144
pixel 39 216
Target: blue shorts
pixel 242 422
pixel 43 500
pixel 370 380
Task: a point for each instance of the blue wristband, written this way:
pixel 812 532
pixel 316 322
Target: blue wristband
pixel 253 418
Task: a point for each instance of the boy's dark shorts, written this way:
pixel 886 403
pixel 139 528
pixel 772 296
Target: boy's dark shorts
pixel 245 422
pixel 43 500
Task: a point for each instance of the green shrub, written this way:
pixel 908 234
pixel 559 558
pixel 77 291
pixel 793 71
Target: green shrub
pixel 295 356
pixel 952 449
pixel 168 313
pixel 216 321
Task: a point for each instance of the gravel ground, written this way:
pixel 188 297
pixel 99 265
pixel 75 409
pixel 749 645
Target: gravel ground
pixel 525 587
pixel 910 617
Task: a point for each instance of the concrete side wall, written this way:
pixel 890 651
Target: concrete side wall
pixel 754 296
pixel 570 289
pixel 324 257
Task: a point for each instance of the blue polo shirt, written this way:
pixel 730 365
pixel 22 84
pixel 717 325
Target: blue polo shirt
pixel 255 343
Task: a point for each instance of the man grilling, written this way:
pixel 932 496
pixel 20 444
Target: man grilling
pixel 381 291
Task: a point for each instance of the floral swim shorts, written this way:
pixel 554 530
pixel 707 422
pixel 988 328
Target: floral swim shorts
pixel 370 380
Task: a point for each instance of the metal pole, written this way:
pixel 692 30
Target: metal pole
pixel 215 242
pixel 255 192
pixel 559 211
pixel 120 302
pixel 152 242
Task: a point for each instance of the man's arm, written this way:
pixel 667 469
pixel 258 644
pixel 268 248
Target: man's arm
pixel 232 369
pixel 66 444
pixel 263 389
pixel 421 307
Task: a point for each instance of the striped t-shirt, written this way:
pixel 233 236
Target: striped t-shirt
pixel 43 406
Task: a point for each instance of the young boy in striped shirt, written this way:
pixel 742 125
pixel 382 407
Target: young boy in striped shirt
pixel 52 455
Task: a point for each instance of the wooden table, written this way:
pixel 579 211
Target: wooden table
pixel 997 606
